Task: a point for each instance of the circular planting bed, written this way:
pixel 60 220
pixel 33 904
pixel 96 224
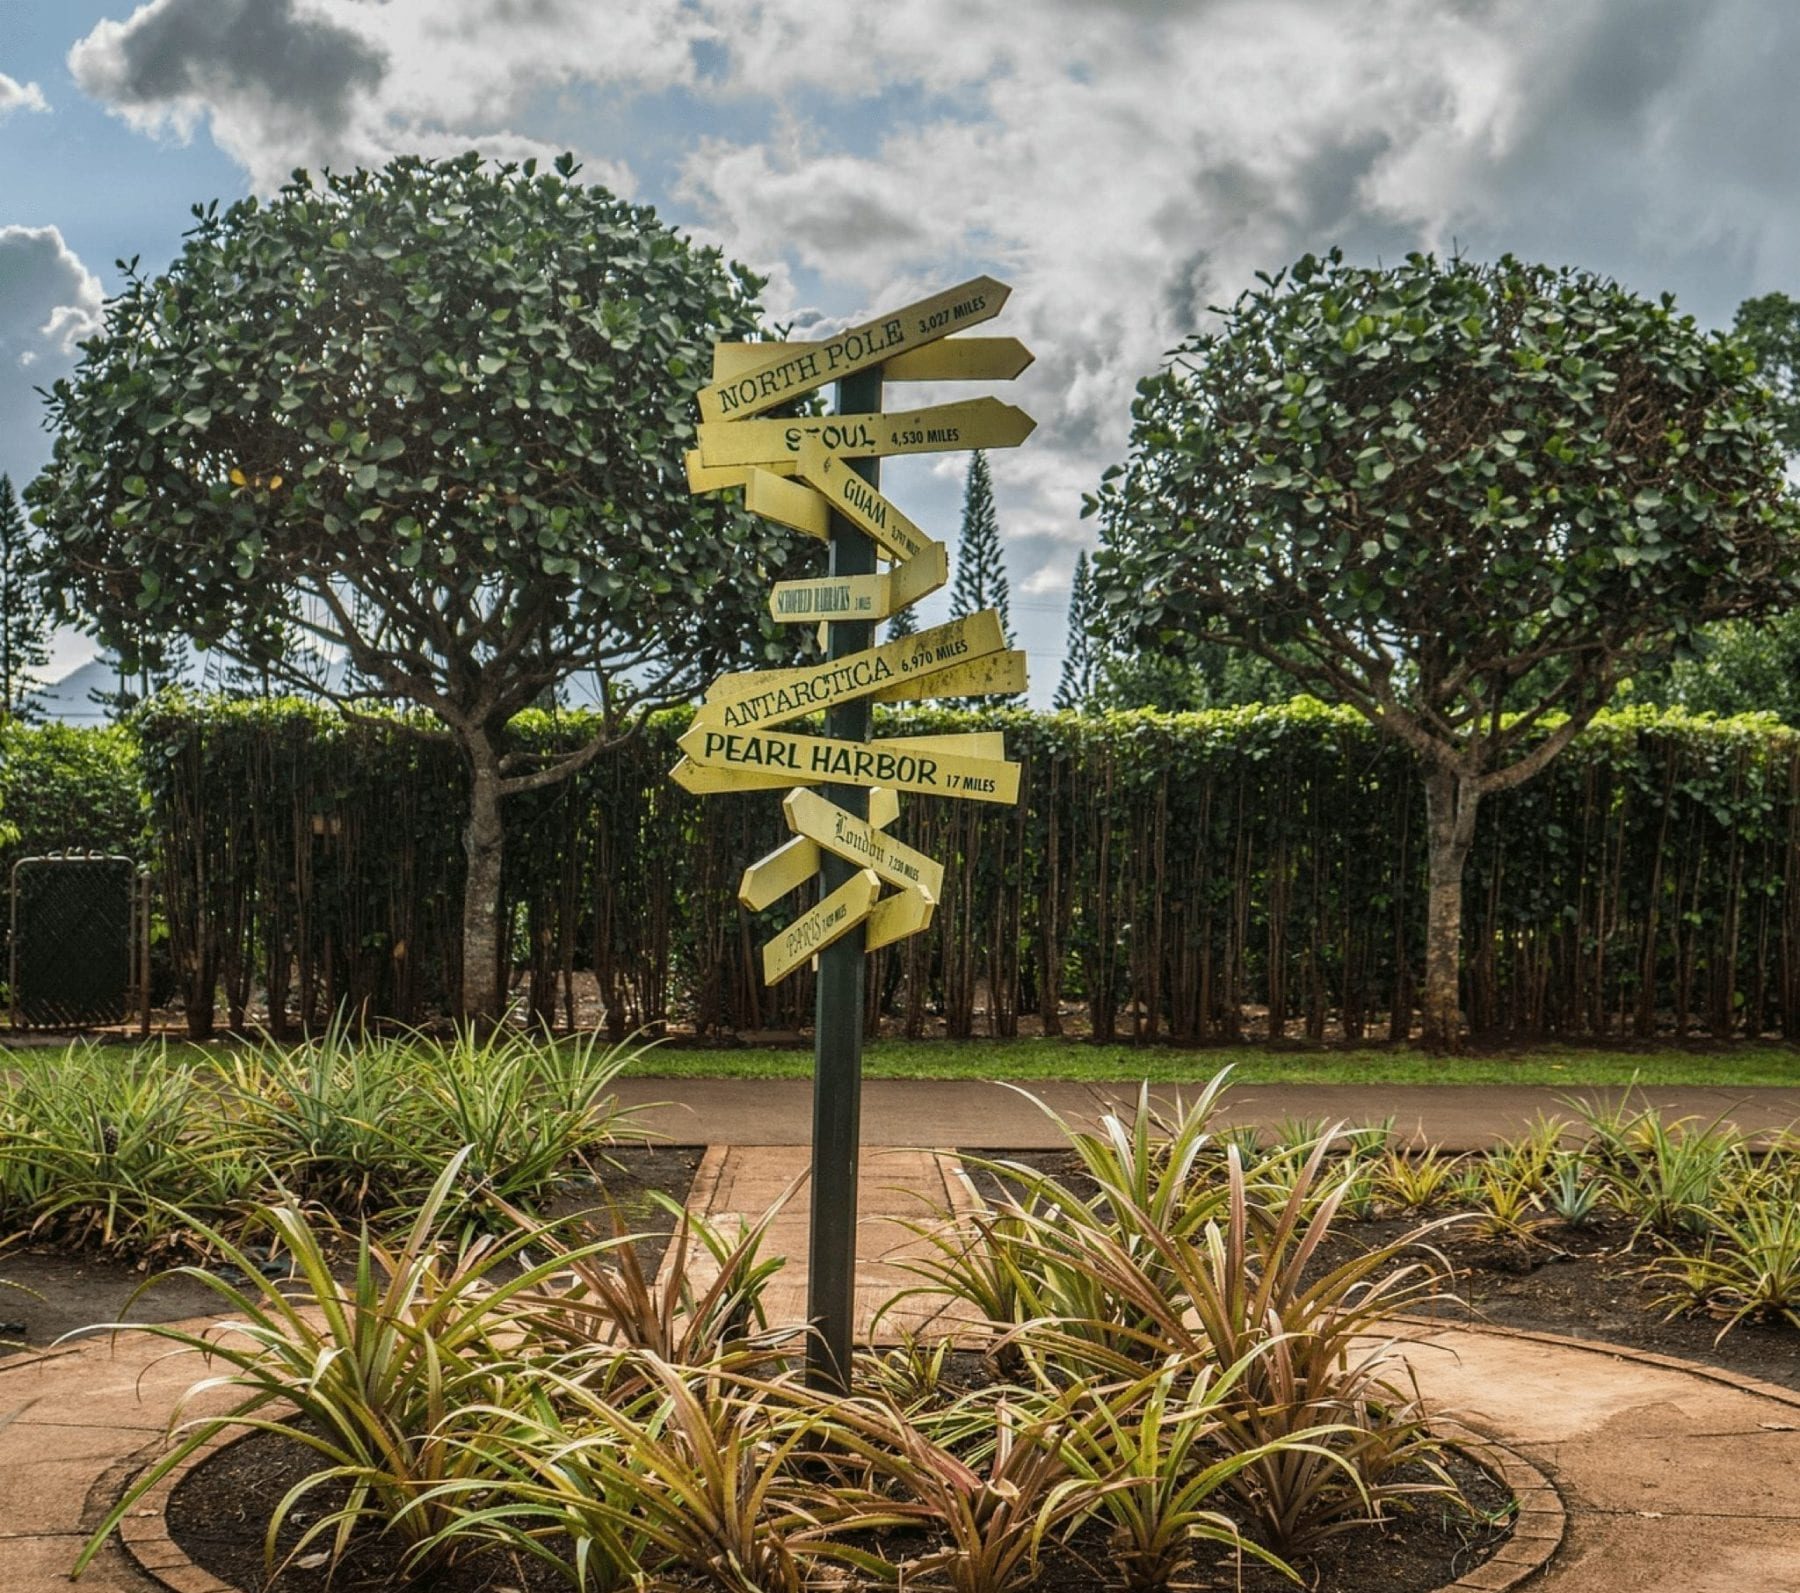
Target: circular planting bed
pixel 212 1515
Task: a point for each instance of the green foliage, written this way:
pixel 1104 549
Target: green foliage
pixel 520 1391
pixel 1418 485
pixel 1748 1262
pixel 980 581
pixel 24 625
pixel 64 788
pixel 107 1150
pixel 339 1118
pixel 1736 667
pixel 1214 677
pixel 1319 1411
pixel 1410 1183
pixel 1769 327
pixel 452 390
pixel 1572 1194
pixel 1669 1175
pixel 1461 498
pixel 1505 1202
pixel 1163 1442
pixel 1170 873
pixel 390 1371
pixel 993 1503
pixel 1075 686
pixel 695 1311
pixel 434 417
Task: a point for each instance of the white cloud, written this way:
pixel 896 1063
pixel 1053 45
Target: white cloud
pixel 1121 167
pixel 271 79
pixel 285 83
pixel 49 302
pixel 17 96
pixel 1123 163
pixel 1125 166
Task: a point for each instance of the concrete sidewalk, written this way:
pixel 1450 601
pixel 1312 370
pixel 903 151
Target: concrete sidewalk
pixel 968 1115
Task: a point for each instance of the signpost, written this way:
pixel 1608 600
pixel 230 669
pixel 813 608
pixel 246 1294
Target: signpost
pixel 803 691
pixel 944 428
pixel 820 476
pixel 828 760
pixel 953 359
pixel 786 371
pixel 872 597
pixel 827 825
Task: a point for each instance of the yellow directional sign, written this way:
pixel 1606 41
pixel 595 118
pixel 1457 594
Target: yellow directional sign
pixel 895 917
pixel 705 478
pixel 716 782
pixel 843 833
pixel 712 782
pixel 737 702
pixel 833 918
pixel 862 505
pixel 917 577
pixel 787 868
pixel 787 372
pixel 997 675
pixel 963 744
pixel 953 359
pixel 835 597
pixel 973 673
pixel 770 878
pixel 861 597
pixel 972 423
pixel 826 760
pixel 788 503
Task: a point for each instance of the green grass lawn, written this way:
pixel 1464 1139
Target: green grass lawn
pixel 1065 1059
pixel 1037 1060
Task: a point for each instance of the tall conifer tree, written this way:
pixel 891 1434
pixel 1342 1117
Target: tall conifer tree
pixel 1076 687
pixel 980 570
pixel 24 627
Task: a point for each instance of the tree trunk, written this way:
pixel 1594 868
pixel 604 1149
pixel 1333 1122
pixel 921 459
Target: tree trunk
pixel 1450 805
pixel 484 844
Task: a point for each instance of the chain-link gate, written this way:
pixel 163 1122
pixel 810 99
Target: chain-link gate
pixel 80 941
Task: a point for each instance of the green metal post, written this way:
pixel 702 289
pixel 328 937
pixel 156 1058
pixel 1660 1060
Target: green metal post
pixel 838 1027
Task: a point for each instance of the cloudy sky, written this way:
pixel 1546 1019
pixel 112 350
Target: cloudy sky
pixel 1123 164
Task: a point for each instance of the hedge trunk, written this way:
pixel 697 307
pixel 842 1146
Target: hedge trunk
pixel 484 846
pixel 1450 806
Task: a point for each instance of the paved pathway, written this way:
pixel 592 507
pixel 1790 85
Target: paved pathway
pixel 969 1114
pixel 898 1190
pixel 73 1418
pixel 1673 1482
pixel 1676 1481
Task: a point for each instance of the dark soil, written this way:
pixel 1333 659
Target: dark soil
pixel 71 1292
pixel 1591 1283
pixel 220 1512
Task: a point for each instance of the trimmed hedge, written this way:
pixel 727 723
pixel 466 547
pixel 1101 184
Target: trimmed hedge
pixel 1198 877
pixel 64 787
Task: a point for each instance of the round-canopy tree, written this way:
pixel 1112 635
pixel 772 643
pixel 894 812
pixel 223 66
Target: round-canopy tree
pixel 1464 498
pixel 429 419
